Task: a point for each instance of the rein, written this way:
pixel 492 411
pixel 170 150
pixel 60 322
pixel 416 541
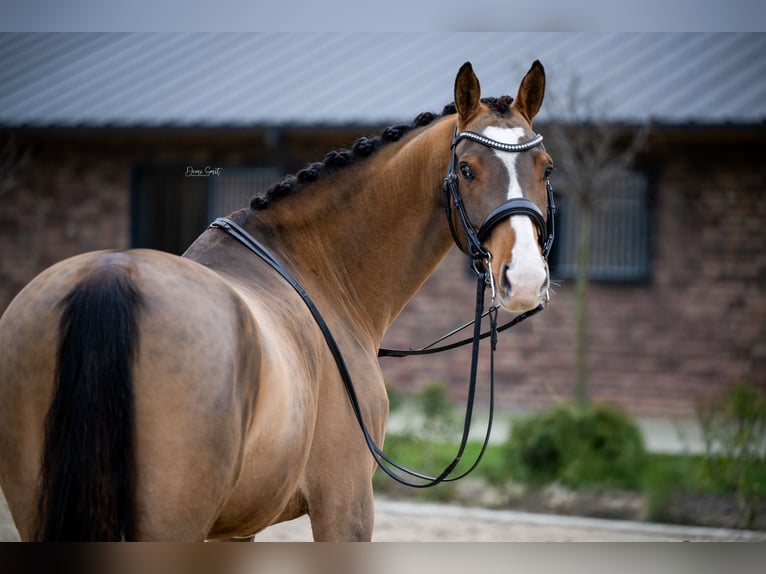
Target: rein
pixel 481 259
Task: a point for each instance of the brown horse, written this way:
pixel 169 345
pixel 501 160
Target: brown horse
pixel 145 396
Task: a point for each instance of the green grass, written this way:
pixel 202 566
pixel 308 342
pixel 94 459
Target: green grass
pixel 662 473
pixel 432 457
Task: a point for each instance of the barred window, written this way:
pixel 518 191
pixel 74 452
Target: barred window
pixel 619 246
pixel 172 204
pixel 233 188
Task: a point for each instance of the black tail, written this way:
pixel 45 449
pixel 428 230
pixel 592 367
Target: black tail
pixel 87 477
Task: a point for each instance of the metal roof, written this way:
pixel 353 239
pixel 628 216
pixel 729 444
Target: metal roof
pixel 309 79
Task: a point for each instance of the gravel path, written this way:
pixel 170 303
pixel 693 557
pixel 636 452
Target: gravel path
pixel 397 521
pixel 423 522
pixel 8 531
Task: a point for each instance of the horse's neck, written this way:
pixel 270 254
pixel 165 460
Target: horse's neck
pixel 366 239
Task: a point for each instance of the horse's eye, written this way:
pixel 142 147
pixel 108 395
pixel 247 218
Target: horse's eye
pixel 548 171
pixel 466 171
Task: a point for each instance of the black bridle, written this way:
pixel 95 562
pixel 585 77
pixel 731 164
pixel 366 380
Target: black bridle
pixel 480 255
pixel 514 206
pixel 481 265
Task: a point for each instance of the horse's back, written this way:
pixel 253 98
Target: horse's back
pixel 195 382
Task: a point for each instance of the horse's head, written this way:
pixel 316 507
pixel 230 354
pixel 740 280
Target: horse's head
pixel 499 172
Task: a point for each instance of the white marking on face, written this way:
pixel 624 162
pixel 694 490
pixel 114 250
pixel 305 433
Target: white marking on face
pixel 526 273
pixel 509 136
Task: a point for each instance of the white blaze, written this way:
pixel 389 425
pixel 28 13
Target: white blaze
pixel 526 273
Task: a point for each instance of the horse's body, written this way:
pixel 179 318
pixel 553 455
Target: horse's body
pixel 219 403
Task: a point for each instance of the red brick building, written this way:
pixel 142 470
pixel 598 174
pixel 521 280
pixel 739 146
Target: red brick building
pixel 98 133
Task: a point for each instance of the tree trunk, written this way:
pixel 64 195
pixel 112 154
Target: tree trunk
pixel 581 306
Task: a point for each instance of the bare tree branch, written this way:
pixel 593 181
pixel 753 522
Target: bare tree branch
pixel 592 153
pixel 587 145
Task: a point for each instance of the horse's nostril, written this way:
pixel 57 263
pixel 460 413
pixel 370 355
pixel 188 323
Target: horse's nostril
pixel 524 285
pixel 505 281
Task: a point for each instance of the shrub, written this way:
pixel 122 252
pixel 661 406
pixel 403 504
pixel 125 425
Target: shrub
pixel 666 476
pixel 394 398
pixel 595 446
pixel 436 407
pixel 734 430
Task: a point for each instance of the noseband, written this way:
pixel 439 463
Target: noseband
pixel 514 206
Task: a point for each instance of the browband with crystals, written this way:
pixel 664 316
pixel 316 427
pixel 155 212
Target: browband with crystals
pixel 489 142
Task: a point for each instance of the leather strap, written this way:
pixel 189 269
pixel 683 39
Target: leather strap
pixel 384 461
pixel 514 206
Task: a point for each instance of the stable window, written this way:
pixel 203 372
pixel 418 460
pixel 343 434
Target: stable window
pixel 235 187
pixel 620 227
pixel 172 204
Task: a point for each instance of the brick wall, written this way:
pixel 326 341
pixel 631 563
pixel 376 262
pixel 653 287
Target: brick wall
pixel 61 202
pixel 71 192
pixel 656 348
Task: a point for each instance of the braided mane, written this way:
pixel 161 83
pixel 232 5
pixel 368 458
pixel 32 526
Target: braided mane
pixel 361 148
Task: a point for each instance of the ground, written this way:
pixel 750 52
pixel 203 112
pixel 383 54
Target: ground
pixel 397 521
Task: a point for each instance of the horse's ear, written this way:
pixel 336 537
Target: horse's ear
pixel 467 94
pixel 531 92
